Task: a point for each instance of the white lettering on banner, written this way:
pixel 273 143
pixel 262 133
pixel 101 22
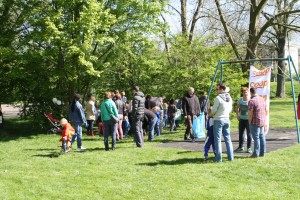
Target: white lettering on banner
pixel 260 79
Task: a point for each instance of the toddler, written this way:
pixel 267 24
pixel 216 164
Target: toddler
pixel 66 135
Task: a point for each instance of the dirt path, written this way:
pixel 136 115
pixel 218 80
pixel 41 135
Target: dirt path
pixel 276 139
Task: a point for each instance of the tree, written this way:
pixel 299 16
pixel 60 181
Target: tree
pixel 285 23
pixel 188 25
pixel 63 47
pixel 255 30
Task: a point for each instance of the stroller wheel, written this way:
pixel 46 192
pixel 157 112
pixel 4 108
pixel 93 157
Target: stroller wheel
pixel 52 131
pixel 55 130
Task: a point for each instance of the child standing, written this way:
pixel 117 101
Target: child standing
pixel 156 110
pixel 126 126
pixel 66 135
pixel 165 114
pixel 209 141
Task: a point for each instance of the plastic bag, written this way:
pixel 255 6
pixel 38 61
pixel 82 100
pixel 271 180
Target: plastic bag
pixel 199 126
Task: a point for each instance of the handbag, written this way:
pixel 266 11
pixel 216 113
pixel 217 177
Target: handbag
pixel 113 118
pixel 199 126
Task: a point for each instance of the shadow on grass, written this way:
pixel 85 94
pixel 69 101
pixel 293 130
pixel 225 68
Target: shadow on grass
pixel 50 155
pixel 40 149
pixel 189 161
pixel 14 129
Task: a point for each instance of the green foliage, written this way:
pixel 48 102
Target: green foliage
pixel 64 47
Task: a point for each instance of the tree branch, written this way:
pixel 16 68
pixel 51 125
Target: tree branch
pixel 230 38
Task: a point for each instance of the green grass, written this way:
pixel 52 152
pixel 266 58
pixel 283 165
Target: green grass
pixel 31 167
pixel 288 89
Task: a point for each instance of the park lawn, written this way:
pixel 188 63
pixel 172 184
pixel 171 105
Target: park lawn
pixel 32 168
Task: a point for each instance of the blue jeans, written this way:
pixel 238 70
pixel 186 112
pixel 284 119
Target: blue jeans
pixel 165 122
pixel 209 141
pixel 110 128
pixel 157 127
pixel 259 140
pixel 151 129
pixel 172 123
pixel 64 145
pixel 222 127
pixel 90 124
pixel 78 134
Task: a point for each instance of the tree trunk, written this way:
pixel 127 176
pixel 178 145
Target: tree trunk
pixel 280 90
pixel 183 18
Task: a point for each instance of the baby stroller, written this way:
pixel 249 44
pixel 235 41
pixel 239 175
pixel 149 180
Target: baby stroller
pixel 54 122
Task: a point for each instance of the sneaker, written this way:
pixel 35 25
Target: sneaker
pixel 249 150
pixel 81 149
pixel 239 149
pixel 205 158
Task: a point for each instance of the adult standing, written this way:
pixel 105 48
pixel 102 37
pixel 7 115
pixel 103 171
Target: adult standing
pixel 90 110
pixel 151 118
pixel 109 115
pixel 242 117
pixel 257 119
pixel 172 109
pixel 77 117
pixel 220 111
pixel 138 107
pixel 121 110
pixel 191 109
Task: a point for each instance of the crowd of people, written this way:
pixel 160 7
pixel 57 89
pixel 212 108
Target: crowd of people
pixel 146 115
pixel 117 117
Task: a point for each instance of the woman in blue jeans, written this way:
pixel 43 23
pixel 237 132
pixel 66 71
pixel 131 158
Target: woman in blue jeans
pixel 220 111
pixel 77 117
pixel 110 118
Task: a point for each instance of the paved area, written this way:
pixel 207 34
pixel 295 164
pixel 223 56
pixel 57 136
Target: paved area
pixel 276 139
pixel 10 111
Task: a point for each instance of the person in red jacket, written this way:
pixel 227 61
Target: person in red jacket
pixel 66 135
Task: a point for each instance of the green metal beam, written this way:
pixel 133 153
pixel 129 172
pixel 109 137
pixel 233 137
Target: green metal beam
pixel 289 59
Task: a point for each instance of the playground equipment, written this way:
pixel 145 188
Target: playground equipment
pixel 288 59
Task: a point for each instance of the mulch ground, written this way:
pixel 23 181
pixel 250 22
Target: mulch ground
pixel 275 139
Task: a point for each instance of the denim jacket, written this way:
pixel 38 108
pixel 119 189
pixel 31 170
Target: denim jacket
pixel 78 114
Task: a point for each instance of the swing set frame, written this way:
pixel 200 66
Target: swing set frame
pixel 288 59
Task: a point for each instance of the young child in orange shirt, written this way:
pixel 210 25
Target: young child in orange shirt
pixel 66 135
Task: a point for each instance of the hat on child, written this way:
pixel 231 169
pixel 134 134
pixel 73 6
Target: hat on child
pixel 63 121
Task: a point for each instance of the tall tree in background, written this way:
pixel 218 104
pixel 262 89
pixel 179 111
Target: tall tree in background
pixel 284 24
pixel 255 29
pixel 12 16
pixel 188 23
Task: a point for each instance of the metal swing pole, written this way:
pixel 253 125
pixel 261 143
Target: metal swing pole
pixel 211 85
pixel 221 74
pixel 293 94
